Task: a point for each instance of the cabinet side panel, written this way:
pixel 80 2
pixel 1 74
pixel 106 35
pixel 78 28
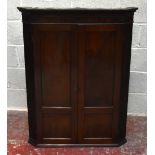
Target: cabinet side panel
pixel 30 86
pixel 125 79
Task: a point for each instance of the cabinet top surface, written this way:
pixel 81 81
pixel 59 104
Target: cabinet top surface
pixel 76 9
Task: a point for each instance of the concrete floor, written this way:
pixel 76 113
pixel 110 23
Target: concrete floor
pixel 18 136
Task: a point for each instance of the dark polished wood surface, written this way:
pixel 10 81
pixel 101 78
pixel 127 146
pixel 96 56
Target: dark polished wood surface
pixel 77 75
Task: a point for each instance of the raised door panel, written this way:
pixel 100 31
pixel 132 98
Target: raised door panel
pixel 55 59
pixel 54 56
pixel 100 69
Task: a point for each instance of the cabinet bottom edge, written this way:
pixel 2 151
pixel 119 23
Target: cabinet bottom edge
pixel 34 143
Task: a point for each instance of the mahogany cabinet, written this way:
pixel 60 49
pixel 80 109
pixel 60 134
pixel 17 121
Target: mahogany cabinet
pixel 77 74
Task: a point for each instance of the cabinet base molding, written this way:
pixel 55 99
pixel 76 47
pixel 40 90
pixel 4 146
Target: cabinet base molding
pixel 32 142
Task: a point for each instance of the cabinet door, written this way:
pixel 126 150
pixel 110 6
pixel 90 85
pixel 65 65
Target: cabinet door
pixel 100 70
pixel 55 84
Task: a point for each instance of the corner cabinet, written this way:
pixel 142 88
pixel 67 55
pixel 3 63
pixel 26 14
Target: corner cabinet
pixel 77 74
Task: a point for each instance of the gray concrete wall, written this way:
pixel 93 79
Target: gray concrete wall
pixel 16 76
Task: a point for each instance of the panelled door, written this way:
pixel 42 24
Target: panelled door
pixel 77 82
pixel 99 67
pixel 54 54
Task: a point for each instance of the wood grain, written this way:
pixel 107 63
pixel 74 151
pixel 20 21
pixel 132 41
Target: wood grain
pixel 77 75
